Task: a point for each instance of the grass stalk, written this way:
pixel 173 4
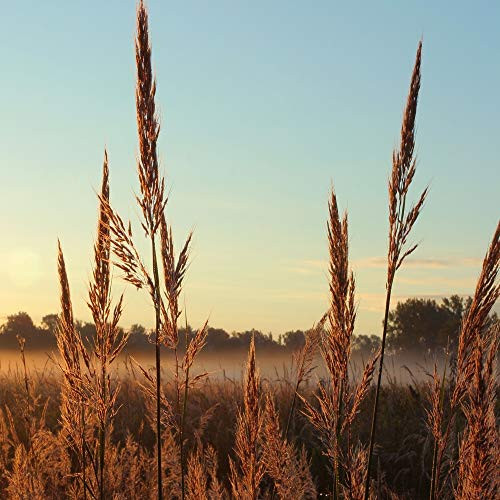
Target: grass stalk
pixel 338 399
pixel 102 435
pixel 83 451
pixel 183 423
pixel 401 221
pixel 377 390
pixel 336 484
pixel 156 279
pixel 435 469
pixel 183 416
pixel 305 358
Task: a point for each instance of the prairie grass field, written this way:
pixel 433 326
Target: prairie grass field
pixel 104 412
pixel 405 444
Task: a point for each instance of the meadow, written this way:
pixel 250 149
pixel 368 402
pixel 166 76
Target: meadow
pixel 404 453
pixel 93 424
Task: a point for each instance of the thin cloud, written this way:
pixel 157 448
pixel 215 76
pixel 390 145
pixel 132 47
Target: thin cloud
pixel 309 266
pixel 426 263
pixel 315 266
pixel 439 281
pixel 375 302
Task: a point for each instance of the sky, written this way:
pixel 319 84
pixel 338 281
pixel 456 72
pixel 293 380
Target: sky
pixel 264 106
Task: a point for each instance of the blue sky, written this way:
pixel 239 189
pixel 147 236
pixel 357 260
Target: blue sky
pixel 263 105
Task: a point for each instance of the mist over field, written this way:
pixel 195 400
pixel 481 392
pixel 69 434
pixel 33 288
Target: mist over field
pixel 273 367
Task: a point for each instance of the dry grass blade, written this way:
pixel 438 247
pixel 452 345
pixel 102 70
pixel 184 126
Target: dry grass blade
pixel 216 490
pixel 109 339
pixel 486 294
pixel 478 476
pixel 247 475
pixel 68 339
pixel 201 479
pixel 401 221
pixel 100 285
pixel 342 311
pixel 174 272
pixel 476 386
pixel 303 361
pixel 356 474
pixel 128 258
pixel 472 386
pixel 70 346
pixel 338 401
pixel 152 200
pixel 195 346
pixel 197 480
pixel 192 349
pixel 434 421
pixel 288 470
pixel 361 390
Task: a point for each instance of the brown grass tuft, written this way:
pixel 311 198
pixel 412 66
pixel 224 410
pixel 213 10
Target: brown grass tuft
pixel 476 386
pixel 70 346
pixel 474 391
pixel 246 476
pixel 288 470
pixel 338 399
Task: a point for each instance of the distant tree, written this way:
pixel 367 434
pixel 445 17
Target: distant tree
pixel 414 324
pixel 425 325
pixel 294 340
pixel 49 323
pixel 138 337
pixel 217 338
pixel 241 340
pixel 455 308
pixel 20 324
pixel 137 331
pixel 365 345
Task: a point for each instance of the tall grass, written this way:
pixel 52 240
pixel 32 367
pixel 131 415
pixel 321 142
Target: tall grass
pixel 303 361
pixel 339 400
pixel 109 341
pixel 288 468
pixel 70 346
pixel 152 202
pixel 401 221
pixel 87 381
pixel 247 474
pixel 473 391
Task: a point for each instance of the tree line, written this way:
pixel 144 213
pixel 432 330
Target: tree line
pixel 415 326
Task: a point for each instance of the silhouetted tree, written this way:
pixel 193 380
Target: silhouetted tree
pixel 21 324
pixel 241 340
pixel 217 339
pixel 415 326
pixel 294 340
pixel 138 338
pixel 365 345
pixel 49 323
pixel 418 325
